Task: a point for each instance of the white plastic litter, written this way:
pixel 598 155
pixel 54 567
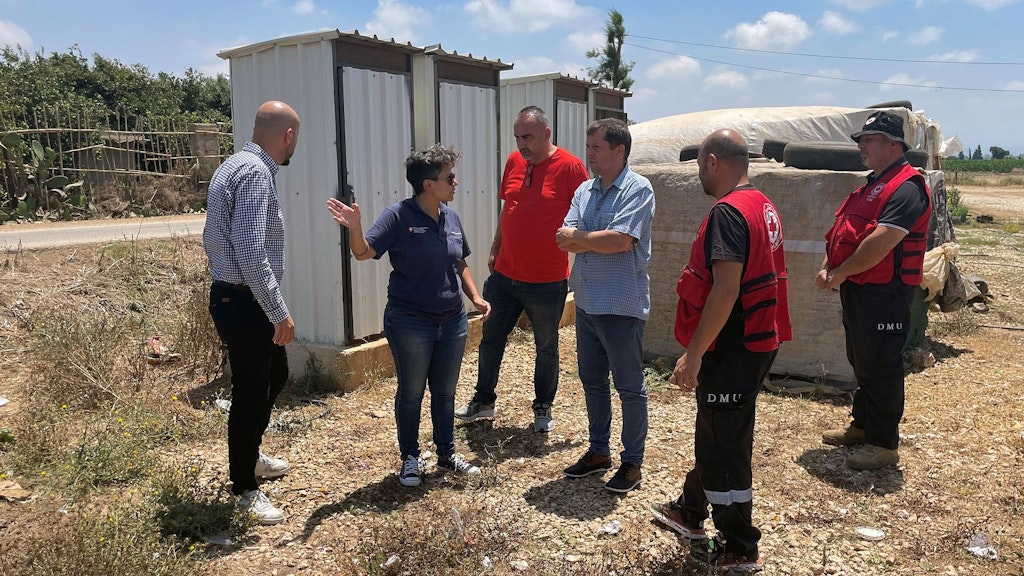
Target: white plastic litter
pixel 979 546
pixel 613 527
pixel 868 533
pixel 520 565
pixel 487 563
pixel 218 540
pixel 224 405
pixel 3 400
pixel 390 561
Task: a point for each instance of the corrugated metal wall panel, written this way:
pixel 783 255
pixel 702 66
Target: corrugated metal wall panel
pixel 469 122
pixel 377 117
pixel 515 97
pixel 303 76
pixel 571 129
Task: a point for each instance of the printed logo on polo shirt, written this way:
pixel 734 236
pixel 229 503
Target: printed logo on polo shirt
pixel 875 192
pixel 417 229
pixel 774 225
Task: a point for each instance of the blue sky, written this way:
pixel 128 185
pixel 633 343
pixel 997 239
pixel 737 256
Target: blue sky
pixel 958 44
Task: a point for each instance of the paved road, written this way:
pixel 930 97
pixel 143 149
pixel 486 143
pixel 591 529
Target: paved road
pixel 50 235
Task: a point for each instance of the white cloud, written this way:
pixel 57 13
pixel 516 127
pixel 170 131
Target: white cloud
pixel 1014 85
pixel 304 7
pixel 727 79
pixel 524 15
pixel 543 65
pixel 862 5
pixel 673 68
pixel 957 56
pixel 888 35
pixel 991 4
pixel 902 81
pixel 393 19
pixel 774 31
pixel 835 23
pixel 827 75
pixel 11 34
pixel 926 35
pixel 583 41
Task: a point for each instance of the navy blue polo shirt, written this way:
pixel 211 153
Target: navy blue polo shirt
pixel 424 258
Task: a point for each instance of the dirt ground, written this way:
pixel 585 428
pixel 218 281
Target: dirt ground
pixel 961 472
pixel 983 197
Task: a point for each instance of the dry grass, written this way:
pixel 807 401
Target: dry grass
pixel 961 471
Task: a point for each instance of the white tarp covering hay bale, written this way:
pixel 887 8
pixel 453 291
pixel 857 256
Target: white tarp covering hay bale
pixel 660 140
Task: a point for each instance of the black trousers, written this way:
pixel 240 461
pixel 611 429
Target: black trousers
pixel 728 383
pixel 876 318
pixel 259 370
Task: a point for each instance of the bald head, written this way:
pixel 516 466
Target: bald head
pixel 723 161
pixel 276 130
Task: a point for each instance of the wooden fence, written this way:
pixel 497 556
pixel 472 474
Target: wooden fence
pixel 104 148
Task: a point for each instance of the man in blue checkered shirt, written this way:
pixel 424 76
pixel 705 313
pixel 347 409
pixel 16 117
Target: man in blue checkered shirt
pixel 608 227
pixel 244 240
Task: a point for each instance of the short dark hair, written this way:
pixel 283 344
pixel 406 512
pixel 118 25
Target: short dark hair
pixel 536 113
pixel 616 132
pixel 427 164
pixel 726 149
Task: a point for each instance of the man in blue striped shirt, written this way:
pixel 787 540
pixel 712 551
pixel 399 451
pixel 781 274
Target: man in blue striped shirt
pixel 244 240
pixel 608 227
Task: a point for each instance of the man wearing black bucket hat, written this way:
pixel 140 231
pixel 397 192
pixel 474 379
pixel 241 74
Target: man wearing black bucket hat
pixel 874 257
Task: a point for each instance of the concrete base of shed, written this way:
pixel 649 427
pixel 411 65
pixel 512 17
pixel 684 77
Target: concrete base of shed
pixel 347 368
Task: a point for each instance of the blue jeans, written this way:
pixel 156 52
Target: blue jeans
pixel 543 303
pixel 427 353
pixel 607 342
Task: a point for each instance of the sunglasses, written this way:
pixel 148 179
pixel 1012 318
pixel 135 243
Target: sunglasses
pixel 450 178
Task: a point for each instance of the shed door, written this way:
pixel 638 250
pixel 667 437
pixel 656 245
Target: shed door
pixel 469 122
pixel 377 121
pixel 571 128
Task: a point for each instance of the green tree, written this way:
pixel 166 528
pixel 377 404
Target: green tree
pixel 961 155
pixel 977 154
pixel 998 153
pixel 611 70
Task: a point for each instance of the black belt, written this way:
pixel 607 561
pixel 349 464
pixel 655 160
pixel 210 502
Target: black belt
pixel 230 286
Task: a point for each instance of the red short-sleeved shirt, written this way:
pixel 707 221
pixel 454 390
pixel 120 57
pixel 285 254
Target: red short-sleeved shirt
pixel 533 214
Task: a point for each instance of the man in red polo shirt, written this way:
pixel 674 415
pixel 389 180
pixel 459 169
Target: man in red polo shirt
pixel 528 271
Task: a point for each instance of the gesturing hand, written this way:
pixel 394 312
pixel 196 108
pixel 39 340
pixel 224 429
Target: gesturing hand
pixel 347 216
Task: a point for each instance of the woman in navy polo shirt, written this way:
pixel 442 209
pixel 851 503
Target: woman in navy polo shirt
pixel 424 321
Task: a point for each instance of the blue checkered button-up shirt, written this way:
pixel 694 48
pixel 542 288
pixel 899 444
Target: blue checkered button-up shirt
pixel 244 232
pixel 614 283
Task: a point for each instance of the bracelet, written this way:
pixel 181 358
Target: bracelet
pixel 365 250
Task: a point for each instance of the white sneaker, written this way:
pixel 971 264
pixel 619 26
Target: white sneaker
pixel 409 475
pixel 255 502
pixel 267 467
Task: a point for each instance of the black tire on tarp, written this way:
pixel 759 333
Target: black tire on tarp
pixel 773 148
pixel 917 158
pixel 823 156
pixel 894 104
pixel 689 152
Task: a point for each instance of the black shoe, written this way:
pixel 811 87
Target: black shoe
pixel 716 555
pixel 589 464
pixel 626 479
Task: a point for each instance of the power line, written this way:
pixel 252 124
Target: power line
pixel 822 77
pixel 827 56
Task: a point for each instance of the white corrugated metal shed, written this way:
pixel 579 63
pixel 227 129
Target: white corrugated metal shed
pixel 363 103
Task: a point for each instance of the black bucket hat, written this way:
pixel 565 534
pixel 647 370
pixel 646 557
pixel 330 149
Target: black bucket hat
pixel 885 123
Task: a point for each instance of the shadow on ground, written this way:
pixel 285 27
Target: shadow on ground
pixel 829 465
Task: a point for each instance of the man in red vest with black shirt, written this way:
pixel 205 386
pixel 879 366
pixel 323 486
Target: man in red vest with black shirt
pixel 731 317
pixel 874 255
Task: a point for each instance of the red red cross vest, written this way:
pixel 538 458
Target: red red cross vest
pixel 857 218
pixel 763 285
